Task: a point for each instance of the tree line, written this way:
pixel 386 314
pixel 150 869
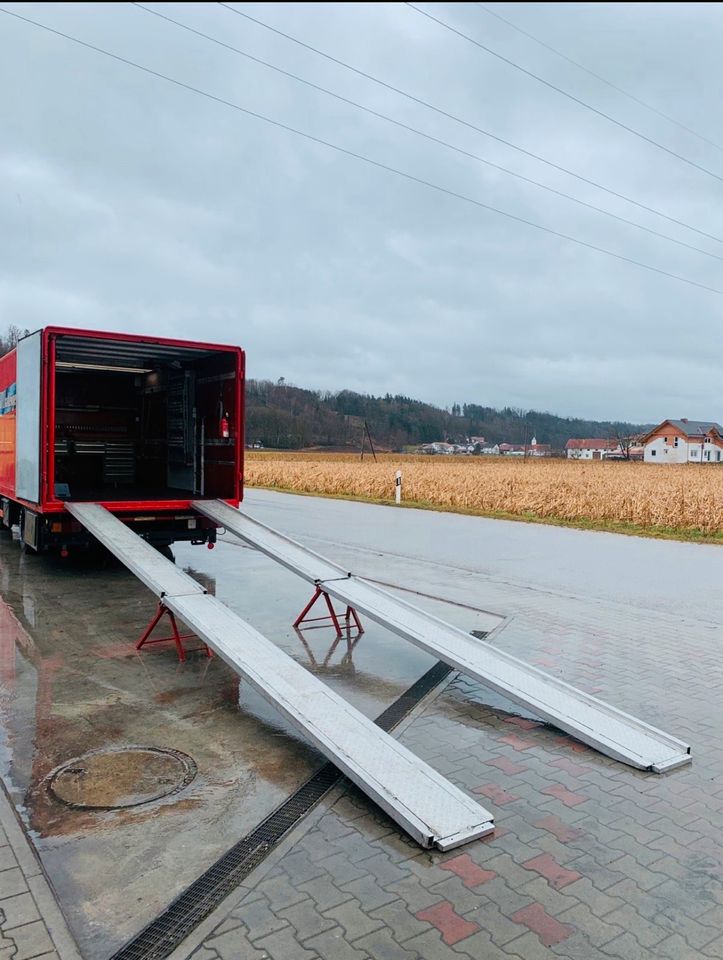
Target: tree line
pixel 287 417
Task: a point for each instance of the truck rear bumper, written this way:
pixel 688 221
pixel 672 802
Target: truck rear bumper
pixel 59 531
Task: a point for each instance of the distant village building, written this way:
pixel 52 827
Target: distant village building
pixel 512 449
pixel 533 449
pixel 438 447
pixel 480 446
pixel 536 449
pixel 592 449
pixel 684 441
pixel 633 452
pixel 596 448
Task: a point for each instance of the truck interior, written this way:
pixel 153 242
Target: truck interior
pixel 144 421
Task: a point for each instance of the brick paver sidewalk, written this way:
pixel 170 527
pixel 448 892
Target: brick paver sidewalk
pixel 31 924
pixel 590 860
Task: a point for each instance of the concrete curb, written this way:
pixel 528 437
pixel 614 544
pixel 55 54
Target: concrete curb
pixel 49 924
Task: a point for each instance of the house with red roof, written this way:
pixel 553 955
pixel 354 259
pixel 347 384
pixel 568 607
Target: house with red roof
pixel 594 448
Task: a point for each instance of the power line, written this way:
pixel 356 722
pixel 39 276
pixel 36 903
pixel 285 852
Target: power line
pixel 564 93
pixel 597 76
pixel 468 124
pixel 420 133
pixel 357 156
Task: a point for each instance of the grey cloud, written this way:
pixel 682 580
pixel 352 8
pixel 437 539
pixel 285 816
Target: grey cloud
pixel 130 204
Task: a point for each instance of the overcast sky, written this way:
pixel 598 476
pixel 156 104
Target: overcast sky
pixel 130 204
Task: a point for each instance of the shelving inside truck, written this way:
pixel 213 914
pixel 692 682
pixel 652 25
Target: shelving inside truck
pixel 143 421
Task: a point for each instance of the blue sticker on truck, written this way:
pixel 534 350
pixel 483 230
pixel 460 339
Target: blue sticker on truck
pixel 8 399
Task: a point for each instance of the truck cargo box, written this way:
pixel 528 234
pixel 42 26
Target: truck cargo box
pixel 142 425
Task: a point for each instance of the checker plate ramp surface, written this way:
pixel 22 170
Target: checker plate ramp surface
pixel 426 805
pixel 157 573
pixel 596 723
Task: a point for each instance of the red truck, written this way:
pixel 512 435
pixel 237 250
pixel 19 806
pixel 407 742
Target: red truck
pixel 141 425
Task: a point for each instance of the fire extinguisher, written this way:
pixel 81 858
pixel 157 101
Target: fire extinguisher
pixel 223 430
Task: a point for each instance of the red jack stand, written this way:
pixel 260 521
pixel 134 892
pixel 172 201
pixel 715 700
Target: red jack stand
pixel 333 615
pixel 177 637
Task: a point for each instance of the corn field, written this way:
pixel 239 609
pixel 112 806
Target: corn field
pixel 685 498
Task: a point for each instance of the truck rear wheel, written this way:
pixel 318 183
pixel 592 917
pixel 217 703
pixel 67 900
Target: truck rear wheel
pixel 11 515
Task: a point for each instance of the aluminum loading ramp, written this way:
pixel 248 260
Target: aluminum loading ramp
pixel 596 723
pixel 428 807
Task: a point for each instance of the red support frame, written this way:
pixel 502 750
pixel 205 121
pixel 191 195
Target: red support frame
pixel 176 637
pixel 349 615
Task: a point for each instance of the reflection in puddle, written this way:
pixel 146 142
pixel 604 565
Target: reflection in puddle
pixel 206 581
pixel 345 643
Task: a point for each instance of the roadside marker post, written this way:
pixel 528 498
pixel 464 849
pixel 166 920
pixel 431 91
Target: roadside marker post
pixel 398 487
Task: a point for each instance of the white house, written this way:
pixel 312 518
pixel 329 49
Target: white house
pixel 684 441
pixel 591 449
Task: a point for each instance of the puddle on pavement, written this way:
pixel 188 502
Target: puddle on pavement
pixel 71 683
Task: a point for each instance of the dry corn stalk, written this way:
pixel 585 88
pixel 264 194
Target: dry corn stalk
pixel 685 497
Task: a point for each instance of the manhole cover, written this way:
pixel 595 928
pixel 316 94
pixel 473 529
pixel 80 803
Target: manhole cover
pixel 121 777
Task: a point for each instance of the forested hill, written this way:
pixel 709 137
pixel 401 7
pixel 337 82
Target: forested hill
pixel 280 415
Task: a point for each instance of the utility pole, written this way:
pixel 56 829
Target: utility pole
pixel 365 434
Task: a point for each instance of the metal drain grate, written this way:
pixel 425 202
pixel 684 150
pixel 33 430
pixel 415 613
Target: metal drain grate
pixel 161 937
pixel 403 705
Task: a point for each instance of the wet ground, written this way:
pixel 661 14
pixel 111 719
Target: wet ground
pixel 72 683
pixel 634 621
pixel 590 859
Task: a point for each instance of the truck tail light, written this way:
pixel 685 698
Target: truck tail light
pixel 65 526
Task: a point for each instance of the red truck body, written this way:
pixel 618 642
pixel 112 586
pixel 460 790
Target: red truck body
pixel 141 425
